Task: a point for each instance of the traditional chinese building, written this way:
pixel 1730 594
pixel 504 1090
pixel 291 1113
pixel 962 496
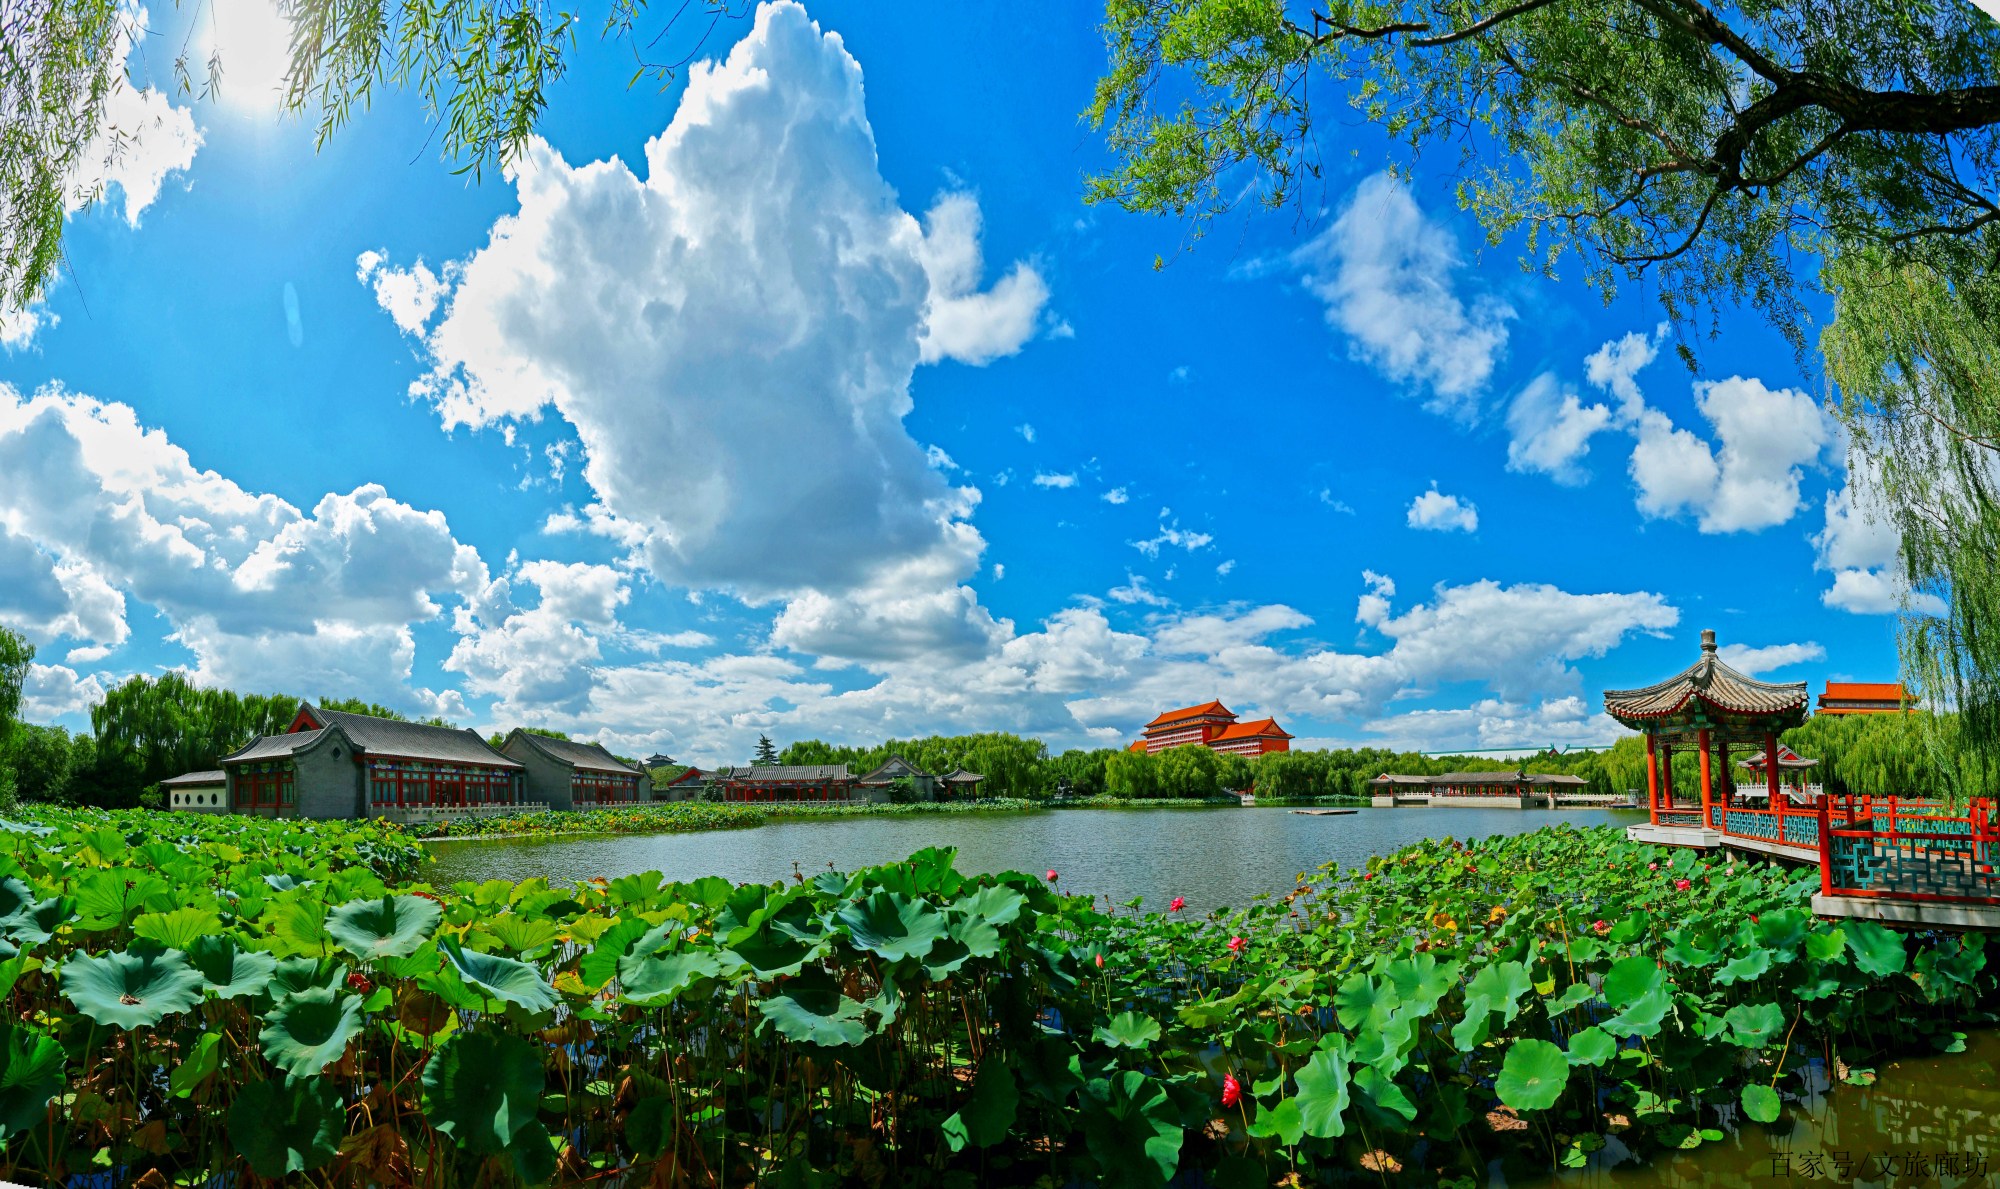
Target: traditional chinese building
pixel 565 774
pixel 793 782
pixel 1214 726
pixel 332 764
pixel 1865 697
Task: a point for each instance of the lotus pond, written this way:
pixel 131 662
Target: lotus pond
pixel 204 1001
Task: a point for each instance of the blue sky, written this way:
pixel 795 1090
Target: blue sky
pixel 808 398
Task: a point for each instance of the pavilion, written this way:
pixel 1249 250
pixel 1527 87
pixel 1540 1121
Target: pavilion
pixel 1714 708
pixel 1790 763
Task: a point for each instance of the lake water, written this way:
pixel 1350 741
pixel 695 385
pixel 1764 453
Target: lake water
pixel 1215 857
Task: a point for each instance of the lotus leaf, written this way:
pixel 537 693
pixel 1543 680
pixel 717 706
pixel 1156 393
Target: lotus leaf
pixel 391 927
pixel 1322 1097
pixel 285 881
pixel 1283 1121
pixel 38 922
pixel 1753 1025
pixel 1629 978
pixel 1761 1103
pixel 15 897
pixel 1381 1092
pixel 309 1031
pixel 287 1127
pixel 197 1065
pixel 892 925
pixel 1128 1030
pixel 1877 951
pixel 1132 1130
pixel 31 1073
pixel 1533 1076
pixel 997 906
pixel 229 970
pixel 1500 987
pixel 655 979
pixel 769 956
pixel 1642 1016
pixel 1361 1000
pixel 600 965
pixel 500 978
pixel 1591 1046
pixel 176 930
pixel 812 1008
pixel 988 1115
pixel 521 935
pixel 133 989
pixel 483 1089
pixel 294 975
pixel 1825 943
pixel 1750 966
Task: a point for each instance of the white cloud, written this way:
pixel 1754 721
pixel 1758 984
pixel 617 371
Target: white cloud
pixel 1389 279
pixel 18 327
pixel 52 691
pixel 733 337
pixel 1442 513
pixel 1180 375
pixel 1752 481
pixel 1615 366
pixel 961 322
pixel 1116 495
pixel 409 295
pixel 1863 550
pixel 1771 656
pixel 1172 535
pixel 1493 723
pixel 1550 430
pixel 1026 431
pixel 143 139
pixel 1327 497
pixel 1064 479
pixel 1135 590
pixel 1222 569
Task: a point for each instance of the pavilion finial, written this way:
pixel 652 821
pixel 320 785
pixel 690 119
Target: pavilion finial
pixel 1708 639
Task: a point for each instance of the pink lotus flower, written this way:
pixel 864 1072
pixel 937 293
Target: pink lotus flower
pixel 1052 875
pixel 1236 945
pixel 1681 885
pixel 1602 927
pixel 1177 905
pixel 1100 961
pixel 1652 866
pixel 1232 1090
pixel 1367 877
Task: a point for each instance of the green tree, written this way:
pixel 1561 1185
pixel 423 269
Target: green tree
pixel 40 758
pixel 1191 773
pixel 16 654
pixel 1776 156
pixel 766 754
pixel 148 729
pixel 1131 776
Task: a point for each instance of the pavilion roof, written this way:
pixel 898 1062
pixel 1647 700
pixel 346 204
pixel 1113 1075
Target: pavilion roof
pixel 1263 728
pixel 1712 691
pixel 789 773
pixel 1787 758
pixel 589 757
pixel 388 738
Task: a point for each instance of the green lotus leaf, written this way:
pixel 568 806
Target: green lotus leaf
pixel 133 989
pixel 1132 1130
pixel 1533 1076
pixel 1825 943
pixel 499 978
pixel 655 979
pixel 1323 1091
pixel 309 1031
pixel 978 935
pixel 799 921
pixel 1877 951
pixel 1361 999
pixel 1592 1046
pixel 1423 980
pixel 1382 1092
pixel 108 898
pixel 1128 1030
pixel 891 925
pixel 295 975
pixel 1629 978
pixel 176 930
pixel 1687 951
pixel 1742 970
pixel 1754 1025
pixel 197 1065
pixel 483 1089
pixel 1501 986
pixel 534 1153
pixel 285 1127
pixel 998 906
pixel 521 935
pixel 31 1073
pixel 1642 1016
pixel 600 965
pixel 773 957
pixel 36 923
pixel 15 897
pixel 812 1008
pixel 649 1126
pixel 1574 995
pixel 1761 1103
pixel 228 969
pixel 1283 1121
pixel 391 927
pixel 988 1115
pixel 1386 1045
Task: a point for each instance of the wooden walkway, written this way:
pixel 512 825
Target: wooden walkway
pixel 1899 861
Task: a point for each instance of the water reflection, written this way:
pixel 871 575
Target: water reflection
pixel 1927 1121
pixel 1213 857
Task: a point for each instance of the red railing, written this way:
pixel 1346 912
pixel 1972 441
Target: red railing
pixel 1883 849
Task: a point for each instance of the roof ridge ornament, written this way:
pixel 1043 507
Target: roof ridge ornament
pixel 1708 640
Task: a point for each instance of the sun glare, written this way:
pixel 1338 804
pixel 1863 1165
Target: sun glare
pixel 252 42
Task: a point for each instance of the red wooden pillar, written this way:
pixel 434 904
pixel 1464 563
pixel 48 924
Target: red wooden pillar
pixel 1652 779
pixel 1825 848
pixel 1771 781
pixel 1707 789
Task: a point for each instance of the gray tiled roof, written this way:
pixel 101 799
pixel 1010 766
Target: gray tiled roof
pixel 272 747
pixel 1556 778
pixel 789 773
pixel 591 757
pixel 1713 683
pixel 1398 778
pixel 883 775
pixel 196 779
pixel 412 741
pixel 1478 778
pixel 961 776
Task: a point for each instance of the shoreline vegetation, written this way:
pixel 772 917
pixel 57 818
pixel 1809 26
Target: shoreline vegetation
pixel 687 817
pixel 195 999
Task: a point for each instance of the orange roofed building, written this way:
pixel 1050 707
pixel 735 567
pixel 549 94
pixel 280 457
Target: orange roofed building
pixel 1214 726
pixel 1865 697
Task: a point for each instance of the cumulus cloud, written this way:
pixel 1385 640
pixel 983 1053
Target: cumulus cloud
pixel 1550 430
pixel 1172 535
pixel 1442 513
pixel 1492 723
pixel 1136 590
pixel 409 295
pixel 733 333
pixel 1861 547
pixel 52 691
pixel 1390 279
pixel 1060 479
pixel 1771 656
pixel 143 139
pixel 1116 495
pixel 18 327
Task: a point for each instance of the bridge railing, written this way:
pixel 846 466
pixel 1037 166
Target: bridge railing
pixel 1886 849
pixel 1783 824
